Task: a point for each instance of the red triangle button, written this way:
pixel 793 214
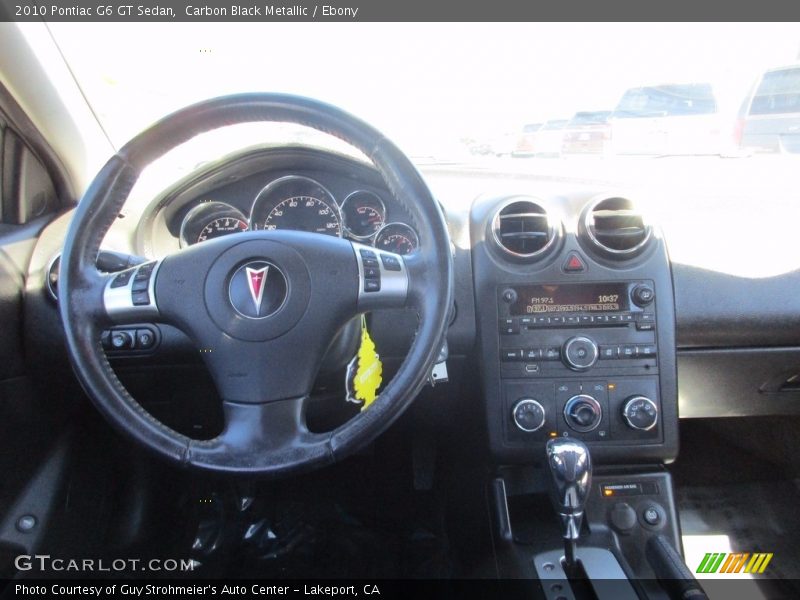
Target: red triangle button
pixel 574 263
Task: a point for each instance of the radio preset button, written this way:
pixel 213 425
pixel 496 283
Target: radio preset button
pixel 608 352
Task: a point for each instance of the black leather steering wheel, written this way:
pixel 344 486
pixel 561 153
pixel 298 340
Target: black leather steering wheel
pixel 262 306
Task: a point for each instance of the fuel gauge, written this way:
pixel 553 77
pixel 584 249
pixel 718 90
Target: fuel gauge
pixel 364 214
pixel 398 238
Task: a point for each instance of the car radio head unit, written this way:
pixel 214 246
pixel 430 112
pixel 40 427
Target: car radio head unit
pixel 570 298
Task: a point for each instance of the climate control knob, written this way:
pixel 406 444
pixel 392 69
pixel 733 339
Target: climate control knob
pixel 579 353
pixel 528 415
pixel 640 413
pixel 583 413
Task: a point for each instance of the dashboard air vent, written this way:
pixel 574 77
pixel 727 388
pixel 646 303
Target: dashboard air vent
pixel 524 230
pixel 616 228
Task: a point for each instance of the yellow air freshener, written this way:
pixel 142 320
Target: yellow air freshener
pixel 365 371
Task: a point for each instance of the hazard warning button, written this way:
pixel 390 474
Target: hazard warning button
pixel 574 263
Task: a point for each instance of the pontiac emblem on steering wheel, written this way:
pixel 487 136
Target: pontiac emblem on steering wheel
pixel 256 277
pixel 257 289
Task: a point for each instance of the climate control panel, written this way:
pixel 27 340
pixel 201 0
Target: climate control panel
pixel 625 409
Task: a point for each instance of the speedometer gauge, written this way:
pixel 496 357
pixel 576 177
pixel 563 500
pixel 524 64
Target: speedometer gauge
pixel 297 203
pixel 398 238
pixel 211 220
pixel 363 213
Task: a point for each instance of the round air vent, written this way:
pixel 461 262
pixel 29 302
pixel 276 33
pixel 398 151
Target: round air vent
pixel 616 229
pixel 524 231
pixel 51 277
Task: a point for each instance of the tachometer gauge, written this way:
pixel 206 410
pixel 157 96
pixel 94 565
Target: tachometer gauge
pixel 211 220
pixel 398 238
pixel 297 203
pixel 222 226
pixel 363 213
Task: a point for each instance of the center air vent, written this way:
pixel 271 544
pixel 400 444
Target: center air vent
pixel 524 230
pixel 616 228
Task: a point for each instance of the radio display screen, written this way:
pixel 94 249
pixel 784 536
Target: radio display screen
pixel 571 298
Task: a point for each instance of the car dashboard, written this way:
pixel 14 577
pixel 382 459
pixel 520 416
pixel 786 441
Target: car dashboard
pixel 541 271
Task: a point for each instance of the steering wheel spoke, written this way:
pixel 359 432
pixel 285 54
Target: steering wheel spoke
pixel 254 431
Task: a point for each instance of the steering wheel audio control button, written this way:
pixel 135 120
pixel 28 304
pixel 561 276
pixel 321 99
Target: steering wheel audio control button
pixel 141 284
pixel 390 263
pixel 383 283
pixel 122 279
pixel 371 271
pixel 140 298
pixel 130 295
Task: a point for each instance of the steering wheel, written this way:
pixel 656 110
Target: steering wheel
pixel 261 306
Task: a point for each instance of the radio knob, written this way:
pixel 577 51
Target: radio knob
pixel 583 413
pixel 579 353
pixel 640 413
pixel 643 295
pixel 528 415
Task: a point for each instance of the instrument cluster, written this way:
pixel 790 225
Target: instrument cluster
pixel 301 203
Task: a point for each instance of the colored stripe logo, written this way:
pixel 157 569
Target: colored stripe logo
pixel 735 562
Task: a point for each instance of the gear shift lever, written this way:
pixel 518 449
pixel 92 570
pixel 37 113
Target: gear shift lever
pixel 571 470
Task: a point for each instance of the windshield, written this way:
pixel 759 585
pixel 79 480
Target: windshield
pixel 589 118
pixel 779 92
pixel 455 93
pixel 667 100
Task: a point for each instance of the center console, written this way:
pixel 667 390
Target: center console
pixel 576 341
pixel 576 328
